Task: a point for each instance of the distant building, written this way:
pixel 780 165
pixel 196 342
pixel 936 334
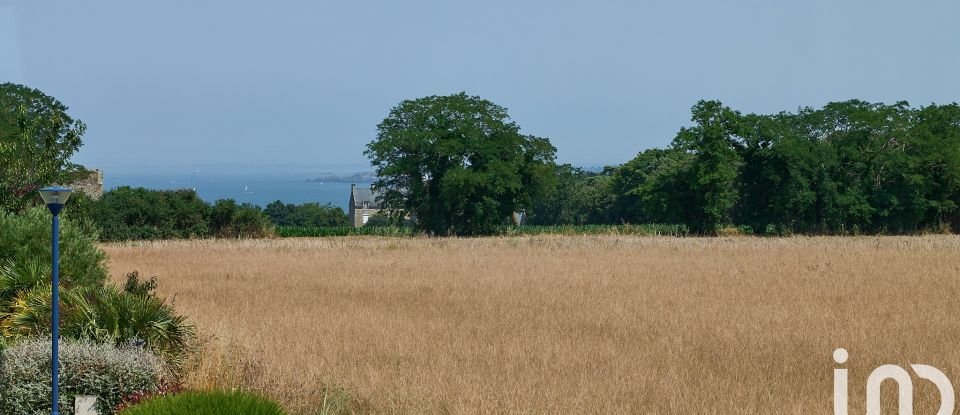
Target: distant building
pixel 88 182
pixel 363 205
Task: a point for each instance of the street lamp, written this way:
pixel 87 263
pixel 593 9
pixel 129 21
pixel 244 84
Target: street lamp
pixel 55 197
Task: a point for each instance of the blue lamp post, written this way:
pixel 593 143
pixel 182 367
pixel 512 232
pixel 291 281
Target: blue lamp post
pixel 55 197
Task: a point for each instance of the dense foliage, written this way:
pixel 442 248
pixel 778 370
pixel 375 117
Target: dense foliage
pixel 307 214
pixel 105 314
pixel 323 231
pixel 207 403
pixel 37 139
pixel 384 218
pixel 102 370
pixel 231 220
pixel 458 163
pixel 849 167
pixel 25 241
pixel 137 213
pixel 576 197
pixel 127 213
pixel 505 230
pixel 90 308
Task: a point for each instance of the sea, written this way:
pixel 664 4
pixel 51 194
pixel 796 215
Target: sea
pixel 256 188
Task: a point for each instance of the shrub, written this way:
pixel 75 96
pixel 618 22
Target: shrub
pixel 327 231
pixel 380 219
pixel 87 368
pixel 127 213
pixel 307 214
pixel 104 314
pixel 135 286
pixel 137 213
pixel 26 240
pixel 207 403
pixel 230 220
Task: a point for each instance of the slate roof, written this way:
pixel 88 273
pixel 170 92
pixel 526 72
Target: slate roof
pixel 365 194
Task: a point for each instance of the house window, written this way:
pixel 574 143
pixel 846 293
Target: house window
pixel 366 217
pixel 366 205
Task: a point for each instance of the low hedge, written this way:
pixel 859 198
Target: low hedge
pixel 102 370
pixel 207 403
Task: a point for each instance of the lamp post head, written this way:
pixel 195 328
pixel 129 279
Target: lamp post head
pixel 55 197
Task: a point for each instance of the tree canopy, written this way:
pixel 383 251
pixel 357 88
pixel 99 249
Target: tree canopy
pixel 307 214
pixel 37 139
pixel 848 167
pixel 458 163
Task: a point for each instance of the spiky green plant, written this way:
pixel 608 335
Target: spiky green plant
pixel 28 314
pixel 17 277
pixel 103 314
pixel 132 318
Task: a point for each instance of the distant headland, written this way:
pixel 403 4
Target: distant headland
pixel 362 177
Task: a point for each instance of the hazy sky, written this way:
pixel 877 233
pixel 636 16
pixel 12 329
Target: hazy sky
pixel 303 83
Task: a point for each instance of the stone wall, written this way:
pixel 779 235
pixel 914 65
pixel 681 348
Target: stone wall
pixel 356 215
pixel 90 185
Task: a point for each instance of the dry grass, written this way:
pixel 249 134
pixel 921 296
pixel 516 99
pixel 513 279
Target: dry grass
pixel 563 324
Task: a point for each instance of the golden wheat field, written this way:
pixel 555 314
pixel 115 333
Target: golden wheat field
pixel 561 324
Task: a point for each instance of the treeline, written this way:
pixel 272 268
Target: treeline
pixel 460 165
pixel 307 214
pixel 126 213
pixel 849 167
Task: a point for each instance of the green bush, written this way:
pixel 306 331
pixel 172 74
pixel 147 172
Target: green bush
pixel 307 214
pixel 89 308
pixel 25 239
pixel 128 213
pixel 103 314
pixel 107 372
pixel 230 220
pixel 207 403
pixel 381 219
pixel 652 229
pixel 326 231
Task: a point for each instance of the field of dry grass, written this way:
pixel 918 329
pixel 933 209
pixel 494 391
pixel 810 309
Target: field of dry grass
pixel 602 324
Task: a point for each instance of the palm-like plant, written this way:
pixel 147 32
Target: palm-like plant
pixel 134 318
pixel 104 313
pixel 15 278
pixel 29 313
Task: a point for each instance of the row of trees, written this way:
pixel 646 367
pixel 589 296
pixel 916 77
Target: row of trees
pixel 127 213
pixel 461 166
pixel 845 168
pixel 307 214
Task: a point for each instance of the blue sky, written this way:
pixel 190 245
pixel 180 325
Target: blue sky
pixel 276 85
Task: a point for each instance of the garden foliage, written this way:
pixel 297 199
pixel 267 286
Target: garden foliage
pixel 87 368
pixel 207 403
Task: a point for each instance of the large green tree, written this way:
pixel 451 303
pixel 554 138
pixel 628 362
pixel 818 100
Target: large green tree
pixel 576 197
pixel 458 163
pixel 713 171
pixel 307 214
pixel 37 139
pixel 654 188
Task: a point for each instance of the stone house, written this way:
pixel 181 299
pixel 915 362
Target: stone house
pixel 88 182
pixel 363 205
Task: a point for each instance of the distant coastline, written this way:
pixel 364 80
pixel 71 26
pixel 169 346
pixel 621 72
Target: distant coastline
pixel 255 188
pixel 362 177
